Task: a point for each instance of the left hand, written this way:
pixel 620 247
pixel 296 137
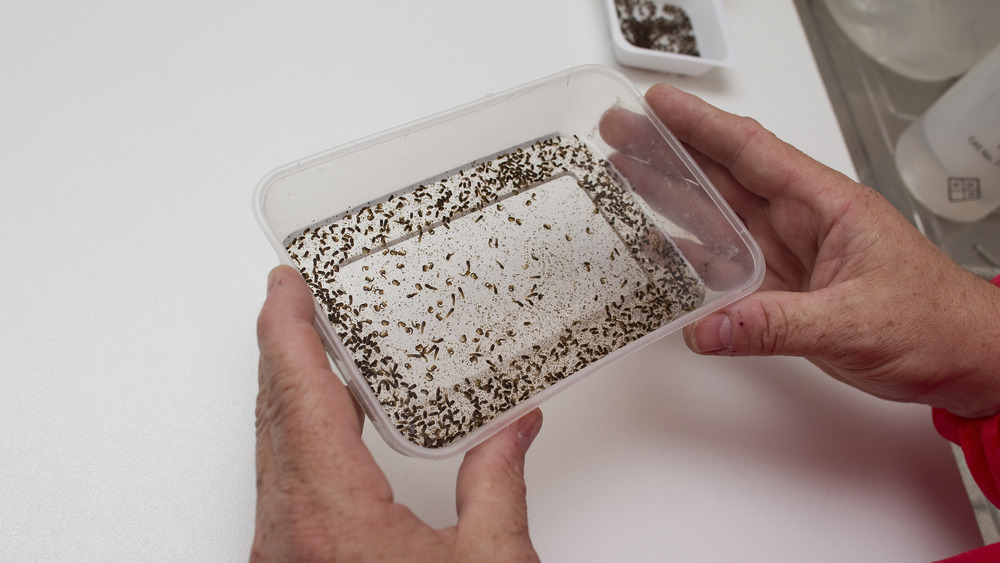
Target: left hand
pixel 320 494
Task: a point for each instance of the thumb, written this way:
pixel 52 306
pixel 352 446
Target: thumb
pixel 769 323
pixel 491 492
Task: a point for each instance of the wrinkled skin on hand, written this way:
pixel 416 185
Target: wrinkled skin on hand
pixel 849 283
pixel 320 494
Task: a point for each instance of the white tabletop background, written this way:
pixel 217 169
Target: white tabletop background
pixel 131 137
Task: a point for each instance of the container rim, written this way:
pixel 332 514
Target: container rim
pixel 750 284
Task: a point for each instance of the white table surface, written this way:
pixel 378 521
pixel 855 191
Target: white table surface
pixel 131 137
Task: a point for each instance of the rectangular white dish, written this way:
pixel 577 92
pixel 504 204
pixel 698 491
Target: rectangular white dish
pixel 646 21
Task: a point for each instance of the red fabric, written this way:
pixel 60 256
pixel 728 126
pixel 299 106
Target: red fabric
pixel 985 554
pixel 980 441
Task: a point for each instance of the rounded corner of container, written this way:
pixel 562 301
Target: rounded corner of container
pixel 595 69
pixel 259 195
pixel 760 267
pixel 257 202
pixel 729 62
pixel 755 274
pixel 395 440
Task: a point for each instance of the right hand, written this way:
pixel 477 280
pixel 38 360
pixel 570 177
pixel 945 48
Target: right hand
pixel 849 283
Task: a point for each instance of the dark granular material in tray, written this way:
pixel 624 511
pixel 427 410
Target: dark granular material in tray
pixel 662 27
pixel 466 295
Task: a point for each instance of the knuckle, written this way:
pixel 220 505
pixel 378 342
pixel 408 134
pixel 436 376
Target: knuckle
pixel 762 331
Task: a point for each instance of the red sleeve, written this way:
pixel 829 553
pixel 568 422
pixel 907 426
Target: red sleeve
pixel 980 441
pixel 986 554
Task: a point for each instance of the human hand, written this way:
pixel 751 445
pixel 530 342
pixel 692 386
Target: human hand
pixel 320 494
pixel 849 283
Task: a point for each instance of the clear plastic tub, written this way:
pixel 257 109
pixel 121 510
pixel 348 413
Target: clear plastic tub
pixel 470 265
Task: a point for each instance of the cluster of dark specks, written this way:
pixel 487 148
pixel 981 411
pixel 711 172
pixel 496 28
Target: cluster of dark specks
pixel 662 28
pixel 466 295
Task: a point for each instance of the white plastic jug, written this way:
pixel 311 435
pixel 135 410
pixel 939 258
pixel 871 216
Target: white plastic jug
pixel 950 157
pixel 928 40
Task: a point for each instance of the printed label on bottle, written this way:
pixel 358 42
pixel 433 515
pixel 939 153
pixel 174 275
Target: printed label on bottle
pixel 963 128
pixel 963 189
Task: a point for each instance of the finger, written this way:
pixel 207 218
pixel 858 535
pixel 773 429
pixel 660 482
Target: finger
pixel 668 194
pixel 673 200
pixel 490 493
pixel 770 323
pixel 720 273
pixel 308 425
pixel 659 178
pixel 652 166
pixel 756 158
pixel 633 134
pixel 786 199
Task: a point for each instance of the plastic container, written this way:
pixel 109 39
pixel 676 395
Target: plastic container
pixel 928 40
pixel 470 265
pixel 949 159
pixel 709 30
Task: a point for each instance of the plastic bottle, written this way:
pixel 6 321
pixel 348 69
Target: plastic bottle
pixel 950 157
pixel 929 40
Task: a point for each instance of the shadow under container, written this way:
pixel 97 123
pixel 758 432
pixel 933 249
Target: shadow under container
pixel 470 265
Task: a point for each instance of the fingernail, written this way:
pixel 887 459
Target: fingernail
pixel 528 427
pixel 272 278
pixel 714 333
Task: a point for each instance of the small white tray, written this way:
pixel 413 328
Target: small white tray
pixel 710 32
